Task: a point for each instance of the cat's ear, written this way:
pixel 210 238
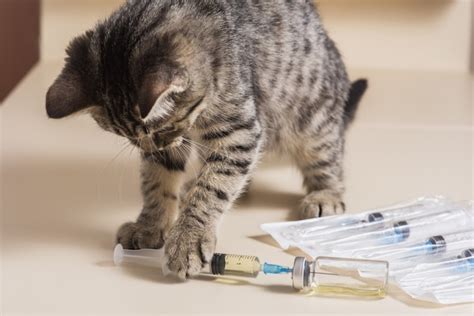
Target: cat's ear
pixel 155 86
pixel 68 94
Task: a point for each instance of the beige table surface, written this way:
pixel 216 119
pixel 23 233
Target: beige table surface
pixel 63 197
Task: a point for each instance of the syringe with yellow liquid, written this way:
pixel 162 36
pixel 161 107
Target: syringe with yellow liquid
pixel 324 276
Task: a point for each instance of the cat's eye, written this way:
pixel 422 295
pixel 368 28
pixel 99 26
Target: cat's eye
pixel 142 129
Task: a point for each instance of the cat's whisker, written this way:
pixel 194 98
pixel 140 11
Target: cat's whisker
pixel 200 157
pixel 199 145
pixel 190 145
pixel 201 149
pixel 130 152
pixel 189 148
pixel 124 147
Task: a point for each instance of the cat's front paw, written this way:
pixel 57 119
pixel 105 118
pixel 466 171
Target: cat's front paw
pixel 322 203
pixel 189 248
pixel 138 236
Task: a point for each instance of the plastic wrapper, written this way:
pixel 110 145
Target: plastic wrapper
pixel 428 243
pixel 289 234
pixel 449 281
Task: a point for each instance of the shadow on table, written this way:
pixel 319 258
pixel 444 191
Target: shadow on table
pixel 259 197
pixel 75 202
pixel 66 203
pixel 154 275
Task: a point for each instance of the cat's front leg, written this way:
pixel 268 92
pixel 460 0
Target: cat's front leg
pixel 192 240
pixel 161 175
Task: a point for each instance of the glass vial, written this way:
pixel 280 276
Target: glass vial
pixel 341 276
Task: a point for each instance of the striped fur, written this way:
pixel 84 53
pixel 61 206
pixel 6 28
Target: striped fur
pixel 221 80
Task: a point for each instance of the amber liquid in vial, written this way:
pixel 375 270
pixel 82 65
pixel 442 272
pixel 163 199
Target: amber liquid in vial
pixel 342 290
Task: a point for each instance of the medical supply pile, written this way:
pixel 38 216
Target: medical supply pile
pixel 428 244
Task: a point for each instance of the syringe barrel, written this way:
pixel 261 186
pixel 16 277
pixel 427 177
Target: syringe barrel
pixel 453 264
pixel 440 243
pixel 411 209
pixel 430 246
pixel 417 228
pixel 236 265
pixel 468 256
pixel 221 264
pixel 456 237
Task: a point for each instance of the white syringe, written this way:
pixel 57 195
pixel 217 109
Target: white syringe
pixel 452 266
pixel 315 229
pixel 221 264
pixel 400 231
pixel 430 246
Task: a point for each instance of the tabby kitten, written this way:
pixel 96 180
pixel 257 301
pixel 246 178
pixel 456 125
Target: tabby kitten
pixel 224 80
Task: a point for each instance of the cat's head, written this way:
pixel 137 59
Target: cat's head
pixel 143 91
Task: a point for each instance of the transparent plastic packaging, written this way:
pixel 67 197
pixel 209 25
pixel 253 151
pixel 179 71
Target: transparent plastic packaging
pixel 400 267
pixel 289 234
pixel 430 233
pixel 449 267
pixel 417 228
pixel 429 246
pixel 449 281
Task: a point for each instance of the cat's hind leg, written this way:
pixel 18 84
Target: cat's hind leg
pixel 320 159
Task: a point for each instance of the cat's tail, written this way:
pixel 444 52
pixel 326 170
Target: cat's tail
pixel 356 93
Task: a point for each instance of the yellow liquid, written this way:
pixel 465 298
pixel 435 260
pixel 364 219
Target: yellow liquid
pixel 338 290
pixel 245 266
